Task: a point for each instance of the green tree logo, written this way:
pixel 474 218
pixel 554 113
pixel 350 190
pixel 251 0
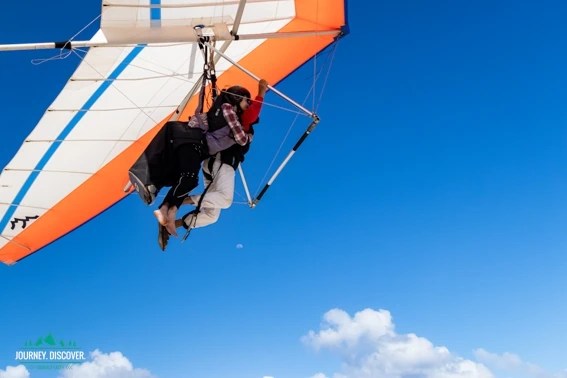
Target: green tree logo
pixel 49 341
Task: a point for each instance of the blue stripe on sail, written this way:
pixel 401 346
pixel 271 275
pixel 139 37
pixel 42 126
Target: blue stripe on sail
pixel 70 126
pixel 155 13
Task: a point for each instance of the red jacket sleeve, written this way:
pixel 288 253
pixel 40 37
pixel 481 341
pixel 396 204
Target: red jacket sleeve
pixel 250 115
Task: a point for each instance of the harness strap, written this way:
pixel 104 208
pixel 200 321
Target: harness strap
pixel 208 176
pixel 209 74
pixel 203 48
pixel 197 210
pixel 212 76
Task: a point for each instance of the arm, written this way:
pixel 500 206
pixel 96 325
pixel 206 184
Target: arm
pixel 251 114
pixel 239 134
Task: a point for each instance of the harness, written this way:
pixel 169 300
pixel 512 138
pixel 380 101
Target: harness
pixel 209 74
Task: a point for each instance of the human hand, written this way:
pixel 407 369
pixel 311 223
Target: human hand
pixel 262 88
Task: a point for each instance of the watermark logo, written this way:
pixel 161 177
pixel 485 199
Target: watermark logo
pixel 49 353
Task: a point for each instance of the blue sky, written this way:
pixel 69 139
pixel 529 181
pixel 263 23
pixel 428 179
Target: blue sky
pixel 424 215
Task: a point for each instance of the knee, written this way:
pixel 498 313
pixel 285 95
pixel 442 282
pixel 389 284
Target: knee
pixel 226 200
pixel 209 216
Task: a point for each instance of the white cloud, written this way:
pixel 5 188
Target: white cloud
pixel 106 365
pixel 370 348
pixel 19 371
pixel 343 332
pixel 509 364
pixel 319 375
pixel 239 246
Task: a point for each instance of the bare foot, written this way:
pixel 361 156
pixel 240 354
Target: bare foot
pixel 170 225
pixel 161 215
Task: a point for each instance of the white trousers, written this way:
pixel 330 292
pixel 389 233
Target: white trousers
pixel 219 195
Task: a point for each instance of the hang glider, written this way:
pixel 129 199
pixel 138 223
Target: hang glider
pixel 137 73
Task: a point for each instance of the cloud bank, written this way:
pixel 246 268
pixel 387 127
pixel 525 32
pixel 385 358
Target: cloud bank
pixel 511 365
pixel 19 371
pixel 370 348
pixel 105 365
